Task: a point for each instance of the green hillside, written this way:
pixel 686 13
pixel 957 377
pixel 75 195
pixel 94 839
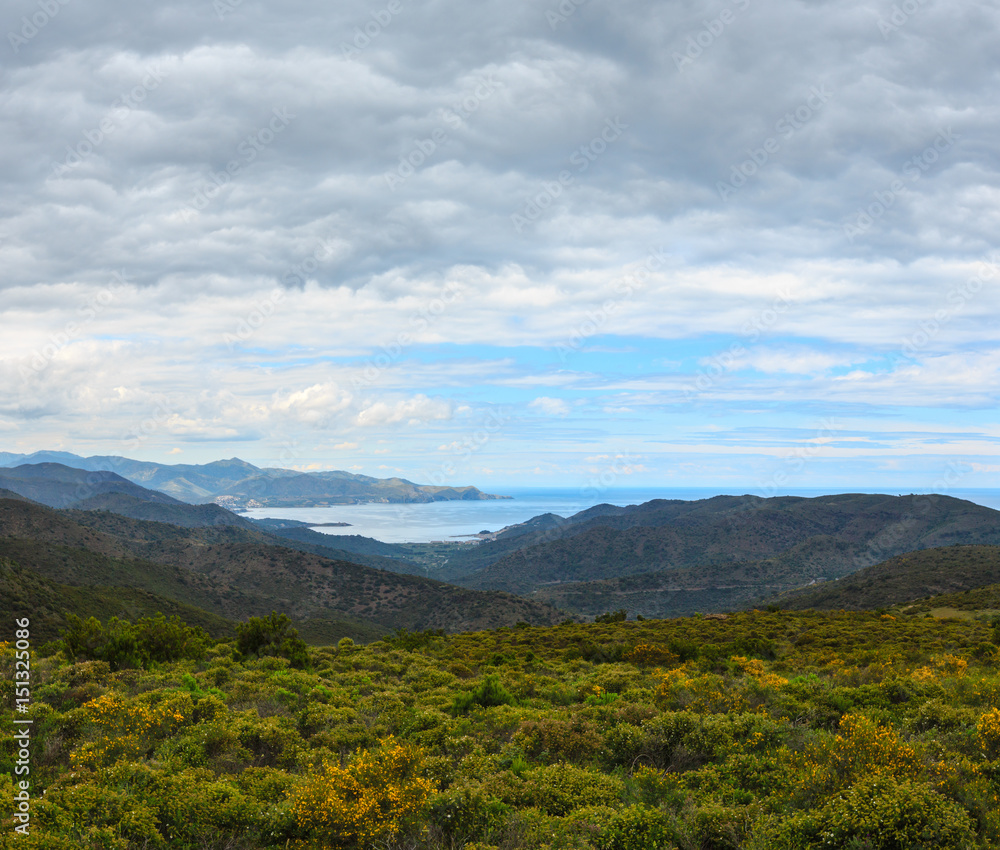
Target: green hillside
pixel 236 573
pixel 189 516
pixel 59 486
pixel 930 572
pixel 778 543
pixel 24 593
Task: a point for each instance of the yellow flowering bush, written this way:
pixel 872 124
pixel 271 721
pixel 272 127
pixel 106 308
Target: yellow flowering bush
pixel 754 668
pixel 707 692
pixel 861 748
pixel 947 666
pixel 988 728
pixel 647 653
pixel 123 729
pixel 374 798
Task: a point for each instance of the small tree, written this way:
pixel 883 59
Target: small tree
pixel 618 616
pixel 272 635
pixel 116 643
pixel 163 640
pixel 124 644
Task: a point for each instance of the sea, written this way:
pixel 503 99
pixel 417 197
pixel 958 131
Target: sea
pixel 454 521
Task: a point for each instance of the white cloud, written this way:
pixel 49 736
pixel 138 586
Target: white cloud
pixel 415 410
pixel 310 296
pixel 550 406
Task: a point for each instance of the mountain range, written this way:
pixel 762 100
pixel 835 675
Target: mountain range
pixel 671 557
pixel 238 484
pixel 100 541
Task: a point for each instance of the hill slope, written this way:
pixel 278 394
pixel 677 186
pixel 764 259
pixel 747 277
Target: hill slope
pixel 24 590
pixel 175 513
pixel 58 486
pixel 747 544
pixel 915 575
pixel 231 572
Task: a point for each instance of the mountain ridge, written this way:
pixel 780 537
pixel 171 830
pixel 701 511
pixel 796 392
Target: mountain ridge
pixel 235 483
pixel 727 551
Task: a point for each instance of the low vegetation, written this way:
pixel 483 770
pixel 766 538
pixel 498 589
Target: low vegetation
pixel 766 729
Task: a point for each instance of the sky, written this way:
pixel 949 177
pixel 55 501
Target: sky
pixel 735 244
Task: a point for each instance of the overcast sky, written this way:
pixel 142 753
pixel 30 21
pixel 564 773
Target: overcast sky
pixel 734 243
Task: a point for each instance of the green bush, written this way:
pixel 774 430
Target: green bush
pixel 123 644
pixel 637 828
pixel 895 815
pixel 490 692
pixel 272 636
pixel 557 789
pixel 574 739
pixel 461 815
pixel 618 616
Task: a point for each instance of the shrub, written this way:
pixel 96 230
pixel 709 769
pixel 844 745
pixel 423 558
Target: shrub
pixel 461 815
pixel 123 644
pixel 574 739
pixel 636 828
pixel 643 654
pixel 162 640
pixel 988 728
pixel 557 789
pixel 123 729
pixel 409 641
pixel 894 815
pixel 88 640
pixel 375 798
pixel 489 692
pixel 274 635
pixel 618 616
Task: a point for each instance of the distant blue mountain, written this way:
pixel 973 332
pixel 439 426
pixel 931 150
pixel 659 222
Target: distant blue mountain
pixel 237 484
pixel 60 486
